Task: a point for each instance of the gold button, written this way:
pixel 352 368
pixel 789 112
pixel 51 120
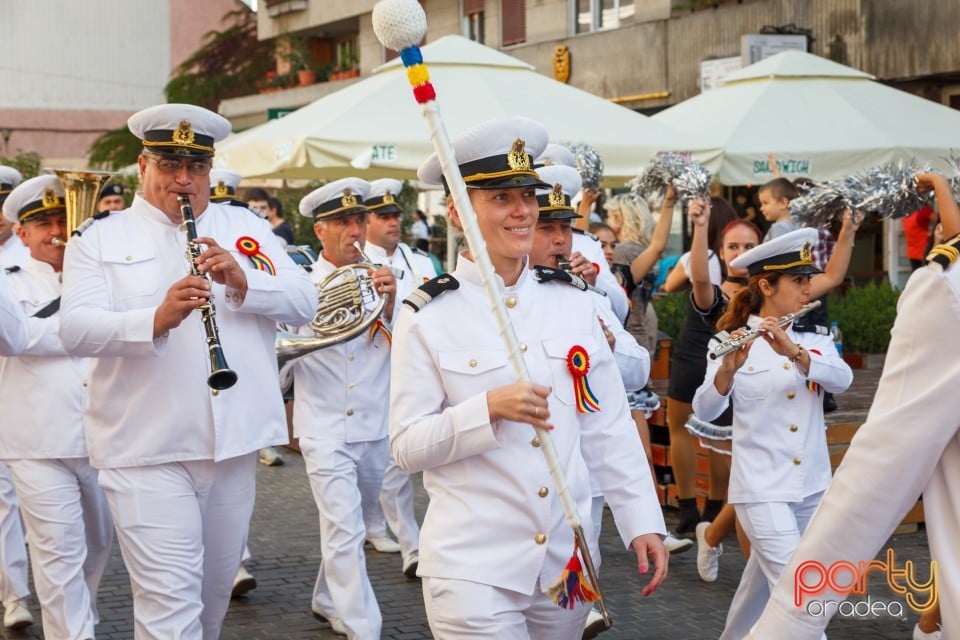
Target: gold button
pixel 349 412
pixel 794 428
pixel 351 386
pixel 86 383
pixel 535 442
pixel 129 258
pixel 790 395
pixel 543 492
pixel 749 368
pixel 796 461
pixel 511 302
pixel 472 363
pixel 523 346
pixel 214 393
pixel 350 357
pixel 786 365
pixel 540 538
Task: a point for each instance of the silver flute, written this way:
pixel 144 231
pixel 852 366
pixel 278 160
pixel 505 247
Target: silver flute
pixel 732 344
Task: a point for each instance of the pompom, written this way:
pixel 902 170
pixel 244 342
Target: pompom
pixel 690 178
pixel 589 165
pixel 399 23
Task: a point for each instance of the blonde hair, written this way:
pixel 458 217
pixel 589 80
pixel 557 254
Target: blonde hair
pixel 637 219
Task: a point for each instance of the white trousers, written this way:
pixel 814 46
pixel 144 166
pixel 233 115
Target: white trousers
pixel 909 444
pixel 459 609
pixel 13 551
pixel 774 530
pixel 70 533
pixel 396 498
pixel 182 527
pixel 342 590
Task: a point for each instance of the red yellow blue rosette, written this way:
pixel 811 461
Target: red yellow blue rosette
pixel 578 363
pixel 251 248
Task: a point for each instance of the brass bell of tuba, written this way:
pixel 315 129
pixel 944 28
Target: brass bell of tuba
pixel 348 305
pixel 81 192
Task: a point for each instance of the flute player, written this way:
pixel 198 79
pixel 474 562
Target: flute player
pixel 177 458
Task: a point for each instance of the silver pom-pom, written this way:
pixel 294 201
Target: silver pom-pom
pixel 690 178
pixel 589 164
pixel 399 24
pixel 889 191
pixel 954 162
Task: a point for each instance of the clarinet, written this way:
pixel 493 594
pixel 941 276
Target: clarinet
pixel 221 376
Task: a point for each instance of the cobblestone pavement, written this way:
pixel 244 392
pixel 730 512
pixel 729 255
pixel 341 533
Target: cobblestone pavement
pixel 285 540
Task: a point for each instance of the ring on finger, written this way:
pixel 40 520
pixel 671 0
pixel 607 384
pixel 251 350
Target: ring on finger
pixel 536 412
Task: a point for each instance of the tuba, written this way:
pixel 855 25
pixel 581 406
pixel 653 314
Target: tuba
pixel 81 191
pixel 348 306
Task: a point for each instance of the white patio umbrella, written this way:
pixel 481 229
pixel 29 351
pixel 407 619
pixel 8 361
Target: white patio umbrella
pixel 821 119
pixel 374 128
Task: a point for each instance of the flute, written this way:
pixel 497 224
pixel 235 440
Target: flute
pixel 732 344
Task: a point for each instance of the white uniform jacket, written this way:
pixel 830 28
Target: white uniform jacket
pixel 44 390
pixel 494 516
pixel 340 391
pixel 632 360
pixel 606 281
pixel 149 399
pixel 417 268
pixel 779 436
pixel 13 324
pixel 13 252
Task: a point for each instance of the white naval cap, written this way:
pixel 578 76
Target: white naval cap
pixel 789 253
pixel 340 198
pixel 554 202
pixel 494 154
pixel 382 197
pixel 34 197
pixel 223 184
pixel 9 178
pixel 179 129
pixel 556 154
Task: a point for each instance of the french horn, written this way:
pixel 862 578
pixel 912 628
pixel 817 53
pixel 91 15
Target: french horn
pixel 348 305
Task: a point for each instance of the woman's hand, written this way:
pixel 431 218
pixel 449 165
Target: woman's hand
pixel 734 360
pixel 520 402
pixel 851 222
pixel 777 337
pixel 670 198
pixel 699 212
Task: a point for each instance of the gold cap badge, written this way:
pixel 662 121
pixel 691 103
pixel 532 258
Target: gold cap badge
pixel 348 199
pixel 806 256
pixel 517 159
pixel 221 189
pixel 388 198
pixel 184 134
pixel 50 199
pixel 556 198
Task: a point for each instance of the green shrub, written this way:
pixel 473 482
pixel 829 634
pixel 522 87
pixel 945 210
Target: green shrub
pixel 865 315
pixel 671 312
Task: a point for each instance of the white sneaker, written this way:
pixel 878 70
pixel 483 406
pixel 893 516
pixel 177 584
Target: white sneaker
pixel 385 544
pixel 410 564
pixel 270 457
pixel 594 625
pixel 920 635
pixel 243 583
pixel 676 545
pixel 708 558
pixel 16 615
pixel 336 624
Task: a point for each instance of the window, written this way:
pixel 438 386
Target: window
pixel 473 20
pixel 514 14
pixel 596 15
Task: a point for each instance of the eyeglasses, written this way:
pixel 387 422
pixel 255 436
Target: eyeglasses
pixel 196 168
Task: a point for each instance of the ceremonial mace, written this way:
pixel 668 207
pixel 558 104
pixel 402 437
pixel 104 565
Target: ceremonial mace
pixel 401 25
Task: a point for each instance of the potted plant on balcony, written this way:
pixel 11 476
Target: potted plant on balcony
pixel 296 51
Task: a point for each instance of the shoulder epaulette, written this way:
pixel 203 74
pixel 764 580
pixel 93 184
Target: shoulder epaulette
pixel 12 269
pixel 549 274
pixel 586 233
pixel 429 290
pixel 945 254
pixel 420 252
pixel 243 205
pixel 818 329
pixel 83 226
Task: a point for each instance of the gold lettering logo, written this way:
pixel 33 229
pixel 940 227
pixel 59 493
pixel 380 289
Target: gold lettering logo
pixel 388 198
pixel 806 256
pixel 561 63
pixel 517 159
pixel 556 198
pixel 184 134
pixel 221 190
pixel 50 199
pixel 348 199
